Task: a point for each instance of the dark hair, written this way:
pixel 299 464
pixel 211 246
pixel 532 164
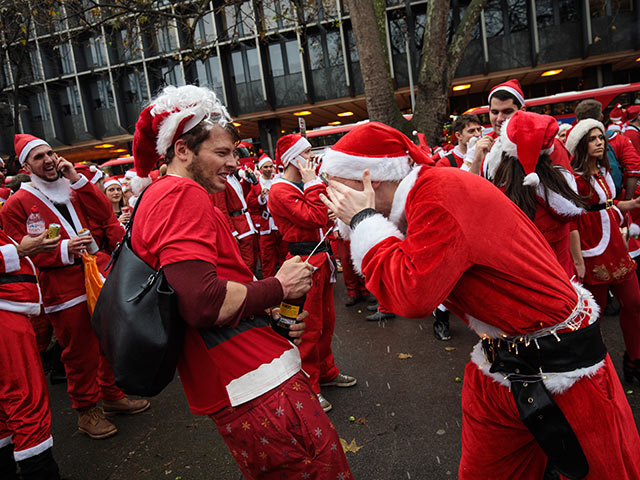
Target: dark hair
pixel 588 108
pixel 460 123
pixel 510 175
pixel 504 95
pixel 195 137
pixel 18 180
pixel 580 160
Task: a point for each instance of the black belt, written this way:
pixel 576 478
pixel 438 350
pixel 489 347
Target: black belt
pixel 305 248
pixel 600 206
pixel 22 278
pixel 237 213
pixel 522 363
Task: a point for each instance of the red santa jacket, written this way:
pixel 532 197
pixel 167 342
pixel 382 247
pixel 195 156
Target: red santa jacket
pixel 455 155
pixel 61 276
pixel 19 291
pixel 262 218
pixel 299 213
pixel 626 154
pixel 633 133
pixel 233 204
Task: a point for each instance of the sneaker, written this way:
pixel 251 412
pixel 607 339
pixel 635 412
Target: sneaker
pixel 373 308
pixel 341 380
pixel 125 405
pixel 324 403
pixel 92 422
pixel 379 316
pixel 441 330
pixel 351 301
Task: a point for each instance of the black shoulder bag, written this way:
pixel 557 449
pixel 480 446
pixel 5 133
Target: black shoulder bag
pixel 137 321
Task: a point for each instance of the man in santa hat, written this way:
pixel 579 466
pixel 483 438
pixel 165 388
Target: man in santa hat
pixel 294 202
pixel 234 367
pixel 273 250
pixel 62 196
pixel 633 129
pixel 617 118
pixel 25 416
pixel 625 153
pixel 540 387
pixel 505 99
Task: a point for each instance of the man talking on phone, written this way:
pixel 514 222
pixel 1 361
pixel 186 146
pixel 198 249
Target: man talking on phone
pixel 64 197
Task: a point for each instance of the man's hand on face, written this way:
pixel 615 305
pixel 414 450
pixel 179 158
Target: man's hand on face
pixel 67 169
pixel 345 202
pixel 308 171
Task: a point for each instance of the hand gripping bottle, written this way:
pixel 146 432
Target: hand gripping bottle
pixel 35 223
pixel 290 308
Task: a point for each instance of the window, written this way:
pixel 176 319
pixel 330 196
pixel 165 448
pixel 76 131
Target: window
pixel 204 32
pixel 66 58
pixel 238 68
pixel 254 64
pixel 71 101
pixel 208 72
pixel 493 18
pixel 517 15
pixel 166 38
pixel 137 87
pixel 39 107
pixel 275 60
pixel 544 13
pixel 98 55
pixel 36 67
pixel 103 97
pixel 293 56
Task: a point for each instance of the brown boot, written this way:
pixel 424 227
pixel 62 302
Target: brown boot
pixel 92 422
pixel 125 405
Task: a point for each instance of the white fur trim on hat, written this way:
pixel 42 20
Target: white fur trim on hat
pixel 30 146
pixel 580 130
pixel 296 149
pixel 344 165
pixel 138 184
pixel 263 161
pixel 113 181
pixel 512 91
pixel 130 174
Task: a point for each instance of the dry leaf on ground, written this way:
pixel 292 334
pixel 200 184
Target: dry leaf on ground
pixel 402 356
pixel 350 447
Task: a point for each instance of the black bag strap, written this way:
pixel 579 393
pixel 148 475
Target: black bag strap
pixel 452 160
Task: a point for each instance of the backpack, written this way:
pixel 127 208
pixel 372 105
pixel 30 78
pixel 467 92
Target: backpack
pixel 616 169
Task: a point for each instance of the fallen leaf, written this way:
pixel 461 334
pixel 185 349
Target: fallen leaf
pixel 361 421
pixel 402 356
pixel 440 432
pixel 449 349
pixel 350 447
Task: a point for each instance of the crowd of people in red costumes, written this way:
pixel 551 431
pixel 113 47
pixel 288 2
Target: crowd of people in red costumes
pixel 562 203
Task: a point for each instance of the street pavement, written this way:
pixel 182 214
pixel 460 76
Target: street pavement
pixel 407 411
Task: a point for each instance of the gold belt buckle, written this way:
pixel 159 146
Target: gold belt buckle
pixel 609 203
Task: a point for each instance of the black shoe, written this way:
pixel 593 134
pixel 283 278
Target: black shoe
pixel 351 301
pixel 613 306
pixel 39 467
pixel 630 369
pixel 441 325
pixel 8 467
pixel 373 308
pixel 379 316
pixel 58 373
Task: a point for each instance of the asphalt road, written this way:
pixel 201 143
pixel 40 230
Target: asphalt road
pixel 407 410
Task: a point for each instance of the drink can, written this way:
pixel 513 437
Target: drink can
pixel 127 210
pixel 93 246
pixel 53 230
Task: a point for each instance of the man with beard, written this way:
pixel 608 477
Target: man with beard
pixel 64 197
pixel 233 366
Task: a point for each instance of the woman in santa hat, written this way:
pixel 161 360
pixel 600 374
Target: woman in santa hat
pixel 546 193
pixel 113 191
pixel 598 247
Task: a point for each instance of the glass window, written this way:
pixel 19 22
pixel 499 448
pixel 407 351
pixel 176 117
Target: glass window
pixel 238 68
pixel 493 18
pixel 39 107
pixel 204 32
pixel 70 101
pixel 293 56
pixel 517 15
pixel 166 38
pixel 270 14
pixel 247 19
pixel 353 51
pixel 275 60
pixel 98 54
pixel 102 95
pixel 172 75
pixel 544 13
pixel 329 10
pixel 208 72
pixel 66 58
pixel 419 29
pixel 569 11
pixel 334 49
pixel 397 29
pixel 137 87
pixel 36 68
pixel 254 64
pixel 316 55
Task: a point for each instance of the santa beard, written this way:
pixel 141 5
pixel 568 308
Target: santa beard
pixel 58 191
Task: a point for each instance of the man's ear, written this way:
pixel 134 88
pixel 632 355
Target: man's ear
pixel 181 150
pixel 458 135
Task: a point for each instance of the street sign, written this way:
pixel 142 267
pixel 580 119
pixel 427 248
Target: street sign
pixel 302 125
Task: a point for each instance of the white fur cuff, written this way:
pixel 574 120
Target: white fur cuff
pixel 368 233
pixel 11 259
pixel 80 183
pixel 312 183
pixel 64 253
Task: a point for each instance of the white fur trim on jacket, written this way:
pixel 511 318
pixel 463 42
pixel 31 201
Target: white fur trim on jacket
pixel 368 233
pixel 296 149
pixel 586 309
pixel 81 182
pixel 344 165
pixel 397 214
pixel 580 130
pixel 312 183
pixel 11 259
pixel 557 202
pixel 33 451
pixel 605 221
pixel 492 160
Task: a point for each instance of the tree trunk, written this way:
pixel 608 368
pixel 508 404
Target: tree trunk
pixel 378 88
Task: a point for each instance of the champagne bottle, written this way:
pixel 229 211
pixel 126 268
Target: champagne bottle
pixel 290 308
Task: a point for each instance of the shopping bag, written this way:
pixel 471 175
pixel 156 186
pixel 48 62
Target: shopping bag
pixel 93 280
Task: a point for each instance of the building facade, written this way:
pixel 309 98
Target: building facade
pixel 270 59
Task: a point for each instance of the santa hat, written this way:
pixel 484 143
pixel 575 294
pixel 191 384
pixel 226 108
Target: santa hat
pixel 289 147
pixel 513 87
pixel 5 192
pixel 264 158
pixel 24 143
pixel 112 181
pixel 563 127
pixel 632 112
pixel 93 173
pixel 381 149
pixel 176 111
pixel 131 174
pixel 579 130
pixel 525 135
pixel 617 115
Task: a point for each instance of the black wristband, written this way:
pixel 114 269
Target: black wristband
pixel 361 215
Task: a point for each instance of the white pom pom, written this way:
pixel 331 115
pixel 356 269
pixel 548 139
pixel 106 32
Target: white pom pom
pixel 93 168
pixel 531 180
pixel 138 184
pixel 415 132
pixel 634 230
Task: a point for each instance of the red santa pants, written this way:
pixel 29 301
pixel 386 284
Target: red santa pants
pixel 315 349
pixel 248 251
pixel 89 376
pixel 628 294
pixel 42 326
pixel 273 250
pixel 25 417
pixel 352 281
pixel 496 444
pixel 284 434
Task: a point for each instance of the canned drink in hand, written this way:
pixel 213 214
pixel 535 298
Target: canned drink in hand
pixel 53 231
pixel 126 210
pixel 93 246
